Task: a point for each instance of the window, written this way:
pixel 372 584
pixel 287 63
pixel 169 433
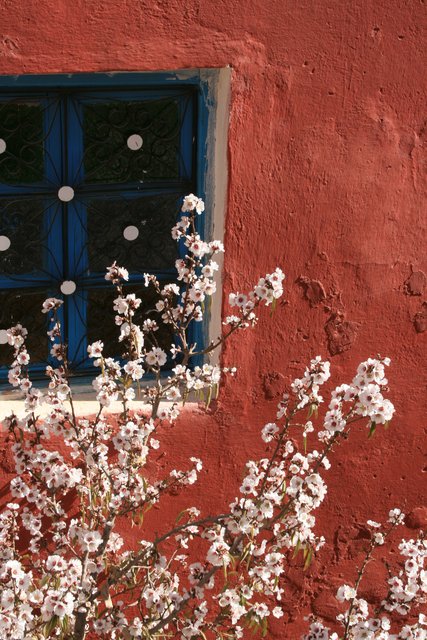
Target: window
pixel 93 169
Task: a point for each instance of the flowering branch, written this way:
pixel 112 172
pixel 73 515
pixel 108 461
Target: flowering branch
pixel 207 576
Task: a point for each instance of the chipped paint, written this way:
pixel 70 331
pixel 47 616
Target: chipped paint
pixel 415 284
pixel 420 319
pixel 314 291
pixel 341 333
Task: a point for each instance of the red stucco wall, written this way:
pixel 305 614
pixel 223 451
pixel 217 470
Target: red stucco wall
pixel 327 178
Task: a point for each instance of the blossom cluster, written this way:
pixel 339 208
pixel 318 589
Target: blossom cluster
pixel 364 394
pixel 65 571
pixel 179 304
pixel 407 590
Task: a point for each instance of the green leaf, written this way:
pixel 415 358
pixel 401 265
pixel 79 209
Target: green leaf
pixel 208 401
pixel 50 626
pixel 313 410
pixel 180 516
pixel 264 627
pixel 284 485
pixel 273 306
pixel 297 548
pixel 308 559
pixel 64 623
pixel 372 429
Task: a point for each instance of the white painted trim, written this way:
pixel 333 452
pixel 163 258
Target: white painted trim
pixel 216 189
pixel 81 407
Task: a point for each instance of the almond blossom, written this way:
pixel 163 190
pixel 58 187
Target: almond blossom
pixel 209 576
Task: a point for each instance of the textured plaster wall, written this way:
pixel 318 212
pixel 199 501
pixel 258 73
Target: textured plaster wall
pixel 327 178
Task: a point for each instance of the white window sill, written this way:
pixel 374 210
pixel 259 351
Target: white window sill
pixel 84 405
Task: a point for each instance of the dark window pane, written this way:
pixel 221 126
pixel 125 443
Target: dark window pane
pixel 152 217
pixel 22 224
pixel 21 128
pixel 107 127
pixel 24 307
pixel 101 325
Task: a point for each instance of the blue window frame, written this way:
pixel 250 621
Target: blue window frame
pixel 92 168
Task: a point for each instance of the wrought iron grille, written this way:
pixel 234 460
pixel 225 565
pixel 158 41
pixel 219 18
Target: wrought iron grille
pixel 88 177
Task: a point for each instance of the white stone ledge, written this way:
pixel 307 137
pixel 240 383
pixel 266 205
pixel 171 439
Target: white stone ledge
pixel 81 407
